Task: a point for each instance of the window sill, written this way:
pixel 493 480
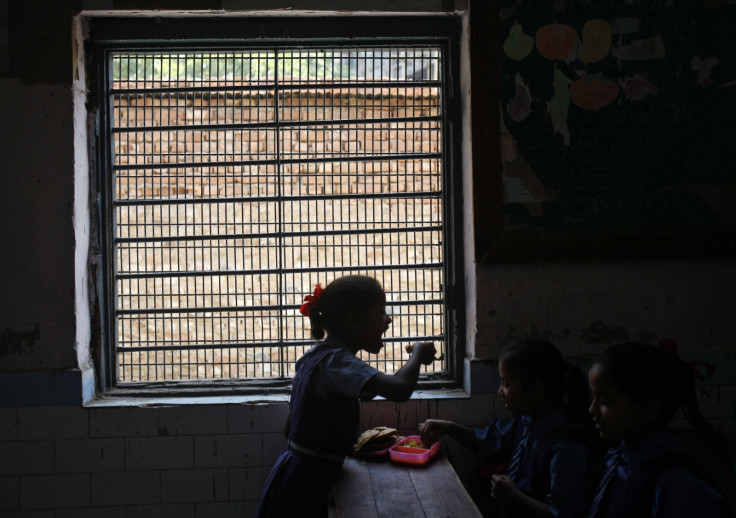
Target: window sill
pixel 242 399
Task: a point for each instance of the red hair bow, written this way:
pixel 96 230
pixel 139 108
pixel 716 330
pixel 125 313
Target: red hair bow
pixel 311 301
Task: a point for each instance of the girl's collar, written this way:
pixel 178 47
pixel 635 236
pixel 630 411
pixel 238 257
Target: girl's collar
pixel 549 420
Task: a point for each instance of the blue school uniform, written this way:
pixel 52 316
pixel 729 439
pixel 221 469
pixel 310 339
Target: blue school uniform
pixel 323 423
pixel 653 478
pixel 547 462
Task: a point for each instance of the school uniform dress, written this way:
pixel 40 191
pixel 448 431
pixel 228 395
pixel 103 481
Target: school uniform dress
pixel 547 461
pixel 323 424
pixel 653 478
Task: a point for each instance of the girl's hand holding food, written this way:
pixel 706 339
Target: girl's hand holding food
pixel 425 350
pixel 432 429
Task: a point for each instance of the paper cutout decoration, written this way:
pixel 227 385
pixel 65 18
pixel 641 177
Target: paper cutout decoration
pixel 640 50
pixel 556 40
pixel 596 40
pixel 521 105
pixel 559 105
pixel 593 92
pixel 704 67
pixel 520 184
pixel 637 87
pixel 508 151
pixel 518 45
pixel 574 59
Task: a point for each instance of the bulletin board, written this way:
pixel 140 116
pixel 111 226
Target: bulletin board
pixel 617 129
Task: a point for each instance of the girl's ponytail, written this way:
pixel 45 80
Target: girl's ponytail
pixel 315 322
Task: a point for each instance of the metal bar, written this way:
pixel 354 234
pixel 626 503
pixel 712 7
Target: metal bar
pixel 226 237
pixel 250 345
pixel 285 124
pixel 428 195
pixel 214 273
pixel 291 87
pixel 325 159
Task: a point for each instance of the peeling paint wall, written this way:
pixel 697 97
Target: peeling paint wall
pixel 585 307
pixel 36 204
pixel 581 306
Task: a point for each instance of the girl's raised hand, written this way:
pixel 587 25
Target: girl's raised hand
pixel 425 351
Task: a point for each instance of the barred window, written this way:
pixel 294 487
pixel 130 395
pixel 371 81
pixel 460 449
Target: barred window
pixel 236 177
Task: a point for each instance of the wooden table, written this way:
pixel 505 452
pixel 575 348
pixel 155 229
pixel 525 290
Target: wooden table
pixel 386 490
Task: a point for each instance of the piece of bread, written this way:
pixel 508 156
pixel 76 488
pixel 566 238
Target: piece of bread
pixel 376 439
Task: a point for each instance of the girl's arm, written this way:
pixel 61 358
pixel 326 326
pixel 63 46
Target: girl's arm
pixel 399 386
pixel 432 429
pixel 505 491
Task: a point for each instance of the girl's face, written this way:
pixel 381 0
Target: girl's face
pixel 616 415
pixel 515 393
pixel 374 322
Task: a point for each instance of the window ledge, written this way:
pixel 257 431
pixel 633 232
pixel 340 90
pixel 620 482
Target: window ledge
pixel 255 399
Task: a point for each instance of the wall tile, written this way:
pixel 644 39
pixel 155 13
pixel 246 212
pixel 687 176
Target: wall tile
pixel 250 507
pixel 8 424
pixel 247 483
pixel 222 510
pixel 89 455
pixel 161 511
pixel 123 422
pixel 61 422
pixel 407 416
pixel 194 485
pixel 159 452
pixel 126 488
pixel 54 491
pixel 29 513
pixel 475 412
pixel 91 512
pixel 257 418
pixel 27 458
pixel 273 445
pixel 381 413
pixel 9 490
pixel 426 409
pixel 193 420
pixel 238 450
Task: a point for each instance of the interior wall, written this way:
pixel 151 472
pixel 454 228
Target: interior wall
pixel 45 433
pixel 585 307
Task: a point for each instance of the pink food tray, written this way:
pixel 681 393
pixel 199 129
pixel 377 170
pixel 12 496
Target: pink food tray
pixel 408 455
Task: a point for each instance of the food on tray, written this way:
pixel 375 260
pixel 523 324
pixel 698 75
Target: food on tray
pixel 415 444
pixel 412 451
pixel 375 439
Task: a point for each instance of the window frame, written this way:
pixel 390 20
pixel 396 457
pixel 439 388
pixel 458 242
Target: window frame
pixel 116 33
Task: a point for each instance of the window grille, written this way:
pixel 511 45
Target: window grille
pixel 240 178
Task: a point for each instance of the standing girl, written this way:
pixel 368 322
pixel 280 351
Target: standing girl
pixel 637 388
pixel 328 385
pixel 549 470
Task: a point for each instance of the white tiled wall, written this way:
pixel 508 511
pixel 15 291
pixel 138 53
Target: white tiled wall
pixel 190 461
pixel 181 461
